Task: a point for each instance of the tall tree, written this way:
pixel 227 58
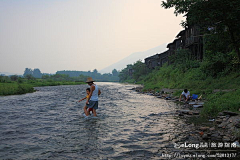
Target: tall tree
pixel 114 72
pixel 14 77
pixel 139 69
pixel 27 71
pixel 222 15
pixel 37 73
pixel 95 71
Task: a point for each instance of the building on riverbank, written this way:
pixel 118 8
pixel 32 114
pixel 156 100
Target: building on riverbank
pixel 157 60
pixel 189 39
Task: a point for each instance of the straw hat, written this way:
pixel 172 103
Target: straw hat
pixel 89 79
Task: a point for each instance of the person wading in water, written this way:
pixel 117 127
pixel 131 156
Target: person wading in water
pixel 92 100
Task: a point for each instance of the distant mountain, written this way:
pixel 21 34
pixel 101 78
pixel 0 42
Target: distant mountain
pixel 133 58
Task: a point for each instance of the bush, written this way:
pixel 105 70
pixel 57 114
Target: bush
pixel 216 71
pixel 15 88
pixel 27 87
pixel 221 101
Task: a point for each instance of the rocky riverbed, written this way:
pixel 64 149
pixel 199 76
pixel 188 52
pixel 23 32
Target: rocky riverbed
pixel 222 130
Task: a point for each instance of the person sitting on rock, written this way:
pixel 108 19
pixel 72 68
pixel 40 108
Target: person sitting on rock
pixel 186 95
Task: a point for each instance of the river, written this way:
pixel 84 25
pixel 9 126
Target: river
pixel 49 124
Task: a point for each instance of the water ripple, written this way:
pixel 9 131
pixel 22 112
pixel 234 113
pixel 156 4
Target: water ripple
pixel 48 124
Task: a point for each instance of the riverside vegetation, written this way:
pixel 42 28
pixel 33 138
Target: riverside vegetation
pixel 218 70
pixel 34 78
pixel 17 85
pixel 220 87
pixel 220 90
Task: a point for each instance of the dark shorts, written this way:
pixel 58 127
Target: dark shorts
pixel 92 105
pixel 186 97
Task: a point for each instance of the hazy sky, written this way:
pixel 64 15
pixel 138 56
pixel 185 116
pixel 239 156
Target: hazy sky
pixel 82 35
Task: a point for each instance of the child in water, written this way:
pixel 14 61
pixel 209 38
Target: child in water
pixel 86 109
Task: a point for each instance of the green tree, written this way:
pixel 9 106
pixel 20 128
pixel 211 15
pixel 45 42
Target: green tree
pixel 124 73
pixel 37 73
pixel 95 71
pixel 29 77
pixel 4 79
pixel 45 76
pixel 221 15
pixel 139 70
pixel 82 78
pixel 115 72
pixel 27 71
pixel 20 80
pixel 14 77
pixel 135 72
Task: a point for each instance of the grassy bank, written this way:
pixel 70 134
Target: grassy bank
pixel 13 88
pixel 221 92
pixel 173 77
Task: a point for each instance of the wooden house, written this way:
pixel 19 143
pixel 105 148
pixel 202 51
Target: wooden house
pixel 189 38
pixel 182 36
pixel 152 62
pixel 194 42
pixel 163 58
pixel 172 47
pixel 156 60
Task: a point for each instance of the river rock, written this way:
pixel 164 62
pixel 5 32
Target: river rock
pixel 215 134
pixel 218 121
pixel 193 113
pixel 164 95
pixel 212 129
pixel 226 139
pixel 234 119
pixel 230 125
pixel 190 113
pixel 222 117
pixel 197 106
pixel 192 103
pixel 205 137
pixel 237 125
pixel 167 98
pixel 204 128
pixel 230 113
pixel 216 137
pixel 150 94
pixel 225 119
pixel 222 125
pixel 222 134
pixel 220 114
pixel 180 114
pixel 184 111
pixel 196 113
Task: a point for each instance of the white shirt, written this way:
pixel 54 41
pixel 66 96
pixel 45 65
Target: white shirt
pixel 186 94
pixel 94 96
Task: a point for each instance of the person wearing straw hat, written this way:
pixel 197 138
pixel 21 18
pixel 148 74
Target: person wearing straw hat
pixel 92 100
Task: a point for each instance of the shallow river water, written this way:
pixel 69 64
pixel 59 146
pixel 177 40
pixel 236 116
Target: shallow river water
pixel 49 124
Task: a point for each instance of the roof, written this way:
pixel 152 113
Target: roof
pixel 169 44
pixel 180 33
